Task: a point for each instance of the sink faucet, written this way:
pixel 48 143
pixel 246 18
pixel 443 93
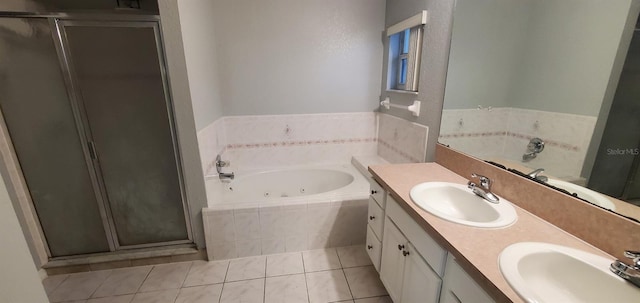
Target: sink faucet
pixel 536 175
pixel 630 273
pixel 484 189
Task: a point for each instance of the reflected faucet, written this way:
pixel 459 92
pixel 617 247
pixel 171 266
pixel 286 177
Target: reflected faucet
pixel 535 146
pixel 484 189
pixel 630 273
pixel 536 175
pixel 219 165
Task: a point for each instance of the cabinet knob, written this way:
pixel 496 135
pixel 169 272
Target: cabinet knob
pixel 400 247
pixel 405 253
pixel 372 217
pixel 369 247
pixel 373 192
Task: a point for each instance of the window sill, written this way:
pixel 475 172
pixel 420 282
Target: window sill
pixel 402 92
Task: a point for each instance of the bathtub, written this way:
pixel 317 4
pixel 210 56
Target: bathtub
pixel 284 210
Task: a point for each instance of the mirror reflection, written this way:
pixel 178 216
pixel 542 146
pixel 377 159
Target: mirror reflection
pixel 550 88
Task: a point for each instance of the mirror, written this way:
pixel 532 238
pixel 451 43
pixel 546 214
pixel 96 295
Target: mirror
pixel 553 85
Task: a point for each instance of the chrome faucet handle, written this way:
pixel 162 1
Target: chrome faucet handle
pixel 484 181
pixel 635 256
pixel 536 172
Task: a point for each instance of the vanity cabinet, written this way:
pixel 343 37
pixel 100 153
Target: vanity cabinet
pixel 459 287
pixel 413 267
pixel 412 263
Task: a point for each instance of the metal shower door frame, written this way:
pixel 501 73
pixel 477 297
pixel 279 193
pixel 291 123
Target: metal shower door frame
pixel 58 25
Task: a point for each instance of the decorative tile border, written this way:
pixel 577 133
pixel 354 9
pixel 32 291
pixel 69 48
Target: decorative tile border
pixel 240 136
pixel 553 143
pixel 472 135
pixel 400 140
pixel 398 151
pixel 299 143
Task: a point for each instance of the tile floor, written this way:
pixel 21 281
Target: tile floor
pixel 343 274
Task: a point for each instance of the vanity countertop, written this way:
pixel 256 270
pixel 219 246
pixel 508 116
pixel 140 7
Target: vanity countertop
pixel 475 249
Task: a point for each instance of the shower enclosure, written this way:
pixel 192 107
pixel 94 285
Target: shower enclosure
pixel 616 171
pixel 88 111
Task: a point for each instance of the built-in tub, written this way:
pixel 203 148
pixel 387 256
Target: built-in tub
pixel 289 209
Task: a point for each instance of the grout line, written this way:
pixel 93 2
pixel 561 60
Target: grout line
pixel 264 284
pixel 186 275
pixel 348 286
pixel 105 279
pixel 304 268
pixel 304 272
pixel 145 278
pixel 55 288
pixel 224 280
pixel 306 285
pixel 226 272
pixel 339 259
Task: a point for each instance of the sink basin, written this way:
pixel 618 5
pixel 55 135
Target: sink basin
pixel 541 272
pixel 456 203
pixel 584 193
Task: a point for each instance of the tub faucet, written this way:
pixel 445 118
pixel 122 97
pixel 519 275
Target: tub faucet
pixel 630 273
pixel 535 146
pixel 219 165
pixel 536 175
pixel 484 189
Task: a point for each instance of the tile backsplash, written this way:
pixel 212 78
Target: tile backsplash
pixel 401 141
pixel 250 142
pixel 282 140
pixel 503 133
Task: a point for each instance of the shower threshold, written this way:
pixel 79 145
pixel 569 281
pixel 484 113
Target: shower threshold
pixel 124 258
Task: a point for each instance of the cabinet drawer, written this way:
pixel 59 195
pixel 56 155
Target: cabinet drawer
pixel 424 244
pixel 374 248
pixel 375 217
pixel 377 192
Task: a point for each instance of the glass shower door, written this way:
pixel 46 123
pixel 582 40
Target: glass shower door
pixel 41 124
pixel 121 87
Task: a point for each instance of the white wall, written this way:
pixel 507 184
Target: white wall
pixel 486 47
pixel 198 38
pixel 184 114
pixel 19 280
pixel 570 52
pixel 298 57
pixel 433 65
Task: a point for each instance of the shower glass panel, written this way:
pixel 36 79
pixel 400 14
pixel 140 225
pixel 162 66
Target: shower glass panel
pixel 120 85
pixel 40 120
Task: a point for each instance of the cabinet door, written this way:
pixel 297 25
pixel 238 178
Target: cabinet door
pixel 459 287
pixel 420 283
pixel 392 263
pixel 374 248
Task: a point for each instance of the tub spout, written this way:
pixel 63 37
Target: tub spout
pixel 226 176
pixel 219 165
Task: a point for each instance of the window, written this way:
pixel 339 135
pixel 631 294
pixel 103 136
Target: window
pixel 405 47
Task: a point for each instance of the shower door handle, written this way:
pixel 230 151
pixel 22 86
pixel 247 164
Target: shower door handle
pixel 92 150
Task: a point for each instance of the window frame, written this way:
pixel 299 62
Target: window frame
pixel 404 67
